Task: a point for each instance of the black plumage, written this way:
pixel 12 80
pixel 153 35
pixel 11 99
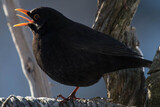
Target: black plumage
pixel 74 54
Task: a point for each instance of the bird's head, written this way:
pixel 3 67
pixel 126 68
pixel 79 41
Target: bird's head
pixel 40 17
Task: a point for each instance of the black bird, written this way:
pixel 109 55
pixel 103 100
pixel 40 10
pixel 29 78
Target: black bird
pixel 74 54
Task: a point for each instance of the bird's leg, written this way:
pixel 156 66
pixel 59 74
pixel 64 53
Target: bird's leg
pixel 71 96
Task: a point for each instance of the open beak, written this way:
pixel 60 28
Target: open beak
pixel 24 12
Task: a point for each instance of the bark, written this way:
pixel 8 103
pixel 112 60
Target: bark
pixel 113 18
pixel 153 84
pixel 18 101
pixel 37 80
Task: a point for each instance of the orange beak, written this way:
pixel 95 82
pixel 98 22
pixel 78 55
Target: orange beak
pixel 24 12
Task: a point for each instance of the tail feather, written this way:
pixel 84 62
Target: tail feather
pixel 124 62
pixel 138 62
pixel 147 63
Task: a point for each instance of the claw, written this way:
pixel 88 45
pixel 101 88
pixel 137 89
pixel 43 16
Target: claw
pixel 70 97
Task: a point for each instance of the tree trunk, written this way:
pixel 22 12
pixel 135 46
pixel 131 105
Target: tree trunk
pixel 113 18
pixel 153 84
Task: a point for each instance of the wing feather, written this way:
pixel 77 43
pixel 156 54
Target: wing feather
pixel 87 39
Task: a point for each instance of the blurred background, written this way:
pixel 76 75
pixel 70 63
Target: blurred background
pixel 12 80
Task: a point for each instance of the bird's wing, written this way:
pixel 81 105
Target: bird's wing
pixel 84 38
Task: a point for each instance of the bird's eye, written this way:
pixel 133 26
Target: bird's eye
pixel 36 16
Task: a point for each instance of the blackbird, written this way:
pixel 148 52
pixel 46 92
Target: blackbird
pixel 74 54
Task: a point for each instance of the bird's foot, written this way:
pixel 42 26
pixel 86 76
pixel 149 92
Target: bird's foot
pixel 70 97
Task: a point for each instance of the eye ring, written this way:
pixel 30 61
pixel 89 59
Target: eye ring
pixel 36 16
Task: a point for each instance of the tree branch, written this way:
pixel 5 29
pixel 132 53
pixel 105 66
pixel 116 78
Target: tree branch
pixel 18 101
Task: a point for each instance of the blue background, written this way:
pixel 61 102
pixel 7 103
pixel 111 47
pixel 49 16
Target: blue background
pixel 12 80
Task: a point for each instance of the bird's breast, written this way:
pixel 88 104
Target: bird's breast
pixel 62 63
